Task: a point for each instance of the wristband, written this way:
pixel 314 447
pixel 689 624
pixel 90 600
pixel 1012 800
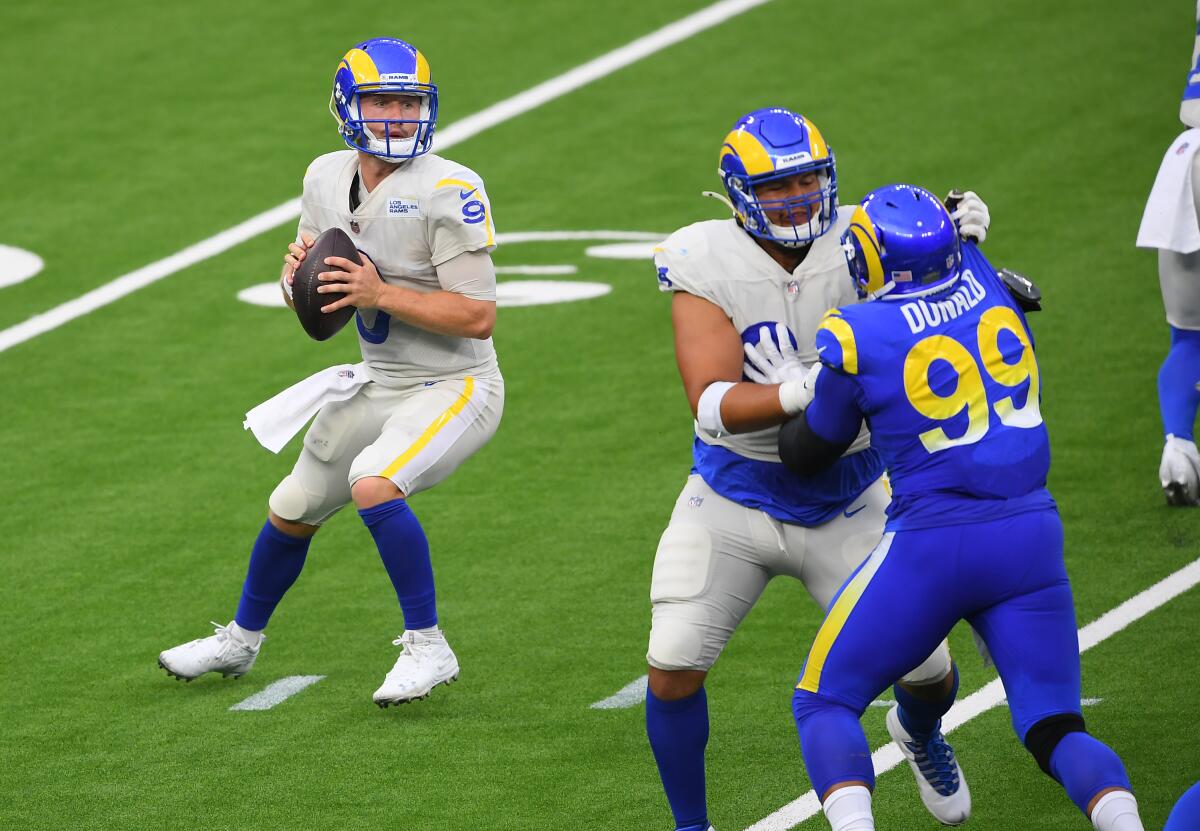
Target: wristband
pixel 793 397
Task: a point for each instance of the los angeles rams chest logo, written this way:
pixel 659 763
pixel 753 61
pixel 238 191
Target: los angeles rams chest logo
pixel 404 207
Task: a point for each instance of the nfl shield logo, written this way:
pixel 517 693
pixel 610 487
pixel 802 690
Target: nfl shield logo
pixel 793 289
pixel 696 501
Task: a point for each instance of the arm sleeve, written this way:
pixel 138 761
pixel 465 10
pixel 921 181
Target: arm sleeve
pixel 471 274
pixel 460 217
pixel 815 439
pixel 834 414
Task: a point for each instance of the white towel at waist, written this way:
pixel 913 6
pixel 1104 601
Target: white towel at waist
pixel 1170 219
pixel 277 419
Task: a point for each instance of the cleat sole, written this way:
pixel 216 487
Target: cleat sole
pixel 383 704
pixel 1177 495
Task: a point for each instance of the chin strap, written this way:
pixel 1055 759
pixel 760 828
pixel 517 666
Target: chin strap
pixel 720 197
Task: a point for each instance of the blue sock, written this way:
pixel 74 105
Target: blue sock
pixel 1178 397
pixel 404 550
pixel 275 563
pixel 678 733
pixel 1085 766
pixel 920 717
pixel 833 743
pixel 1186 813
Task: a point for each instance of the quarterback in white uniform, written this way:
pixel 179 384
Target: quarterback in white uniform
pixel 747 296
pixel 432 394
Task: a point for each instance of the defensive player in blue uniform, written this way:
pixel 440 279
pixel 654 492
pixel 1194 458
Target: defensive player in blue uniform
pixel 942 369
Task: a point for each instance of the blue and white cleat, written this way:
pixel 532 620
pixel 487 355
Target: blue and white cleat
pixel 939 778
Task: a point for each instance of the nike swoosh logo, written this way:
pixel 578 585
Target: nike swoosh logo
pixel 849 513
pixel 821 349
pixel 463 194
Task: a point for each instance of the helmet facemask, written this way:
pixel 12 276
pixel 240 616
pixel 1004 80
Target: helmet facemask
pixel 373 135
pixel 808 216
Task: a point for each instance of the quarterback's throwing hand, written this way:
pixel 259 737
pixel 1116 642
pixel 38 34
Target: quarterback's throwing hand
pixel 360 284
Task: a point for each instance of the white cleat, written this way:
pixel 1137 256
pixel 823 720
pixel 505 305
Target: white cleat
pixel 1179 472
pixel 227 652
pixel 939 779
pixel 425 661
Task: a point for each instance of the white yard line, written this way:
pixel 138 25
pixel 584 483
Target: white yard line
pixel 461 130
pixel 630 695
pixel 277 692
pixel 992 693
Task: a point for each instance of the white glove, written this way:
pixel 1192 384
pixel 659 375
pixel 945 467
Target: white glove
pixel 771 364
pixel 970 215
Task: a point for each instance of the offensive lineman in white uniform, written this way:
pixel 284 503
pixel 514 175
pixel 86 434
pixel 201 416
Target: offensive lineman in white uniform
pixel 1171 224
pixel 432 393
pixel 747 296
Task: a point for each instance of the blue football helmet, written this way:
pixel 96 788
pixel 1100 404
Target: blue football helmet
pixel 389 66
pixel 901 243
pixel 769 145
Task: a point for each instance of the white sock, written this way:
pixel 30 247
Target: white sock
pixel 1117 811
pixel 431 633
pixel 251 637
pixel 849 809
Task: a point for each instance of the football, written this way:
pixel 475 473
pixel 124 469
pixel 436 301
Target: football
pixel 308 302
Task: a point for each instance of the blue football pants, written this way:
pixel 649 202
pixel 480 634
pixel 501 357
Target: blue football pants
pixel 1005 576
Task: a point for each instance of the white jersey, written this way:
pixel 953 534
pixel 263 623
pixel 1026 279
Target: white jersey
pixel 719 262
pixel 1170 219
pixel 426 212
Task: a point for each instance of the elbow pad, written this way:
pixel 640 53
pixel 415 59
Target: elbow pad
pixel 708 408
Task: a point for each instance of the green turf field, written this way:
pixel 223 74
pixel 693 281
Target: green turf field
pixel 132 495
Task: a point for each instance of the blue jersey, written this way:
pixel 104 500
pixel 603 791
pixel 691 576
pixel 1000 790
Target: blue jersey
pixel 950 389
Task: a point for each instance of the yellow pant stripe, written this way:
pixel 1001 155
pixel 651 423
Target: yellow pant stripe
pixel 836 619
pixel 432 430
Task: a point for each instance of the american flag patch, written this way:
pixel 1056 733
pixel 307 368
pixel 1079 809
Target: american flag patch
pixel 902 276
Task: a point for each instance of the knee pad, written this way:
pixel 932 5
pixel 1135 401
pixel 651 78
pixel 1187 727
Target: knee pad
pixel 831 738
pixel 289 500
pixel 676 643
pixel 1044 736
pixel 932 669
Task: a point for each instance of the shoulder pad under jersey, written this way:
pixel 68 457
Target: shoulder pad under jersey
pixel 1027 295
